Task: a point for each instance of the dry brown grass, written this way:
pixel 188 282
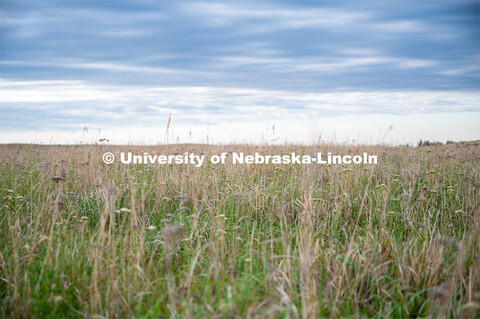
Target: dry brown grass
pixel 397 239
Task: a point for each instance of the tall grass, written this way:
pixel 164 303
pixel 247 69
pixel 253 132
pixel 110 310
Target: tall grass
pixel 79 238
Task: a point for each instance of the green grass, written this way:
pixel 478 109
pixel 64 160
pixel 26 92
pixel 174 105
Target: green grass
pixel 397 239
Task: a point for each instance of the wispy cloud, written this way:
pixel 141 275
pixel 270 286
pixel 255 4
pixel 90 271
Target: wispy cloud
pixel 71 63
pixel 106 66
pixel 272 17
pixel 124 104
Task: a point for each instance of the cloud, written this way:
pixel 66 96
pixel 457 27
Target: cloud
pixel 106 66
pixel 269 45
pixel 126 33
pixel 340 65
pixel 474 70
pixel 56 23
pixel 400 26
pixel 272 17
pixel 79 101
pixel 81 62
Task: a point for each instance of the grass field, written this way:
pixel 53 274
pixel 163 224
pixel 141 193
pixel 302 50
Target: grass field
pixel 79 238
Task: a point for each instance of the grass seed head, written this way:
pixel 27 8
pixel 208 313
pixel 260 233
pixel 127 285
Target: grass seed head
pixel 57 179
pixel 58 205
pixel 172 235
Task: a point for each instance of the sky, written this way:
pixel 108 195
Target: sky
pixel 239 71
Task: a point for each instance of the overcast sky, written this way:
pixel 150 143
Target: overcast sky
pixel 366 70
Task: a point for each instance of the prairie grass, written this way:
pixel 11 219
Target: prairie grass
pixel 79 238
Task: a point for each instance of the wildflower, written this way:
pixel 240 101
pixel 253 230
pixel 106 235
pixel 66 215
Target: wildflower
pixel 151 228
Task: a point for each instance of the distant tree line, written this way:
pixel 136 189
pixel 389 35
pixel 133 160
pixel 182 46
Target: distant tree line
pixel 429 143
